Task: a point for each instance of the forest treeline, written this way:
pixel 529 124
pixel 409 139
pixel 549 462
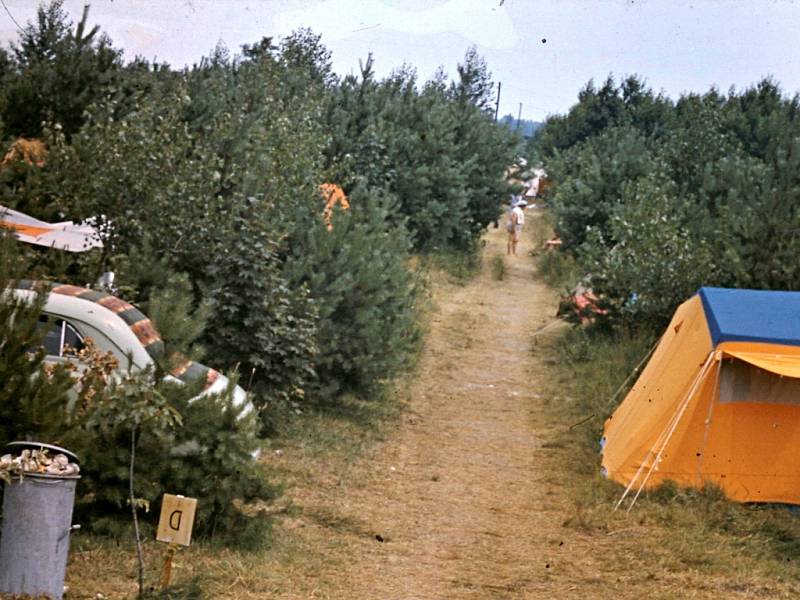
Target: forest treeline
pixel 205 183
pixel 655 198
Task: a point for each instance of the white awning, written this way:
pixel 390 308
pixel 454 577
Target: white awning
pixel 63 236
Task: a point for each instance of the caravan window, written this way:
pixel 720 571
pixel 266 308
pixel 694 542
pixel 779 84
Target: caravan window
pixel 742 382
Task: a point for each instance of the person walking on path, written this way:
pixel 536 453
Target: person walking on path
pixel 516 219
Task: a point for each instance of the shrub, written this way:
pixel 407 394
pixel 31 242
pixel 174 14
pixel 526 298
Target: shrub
pixel 33 396
pixel 364 294
pixel 653 261
pixel 202 447
pixel 590 179
pixel 262 322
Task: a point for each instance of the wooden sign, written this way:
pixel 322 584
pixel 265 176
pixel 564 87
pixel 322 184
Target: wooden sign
pixel 176 520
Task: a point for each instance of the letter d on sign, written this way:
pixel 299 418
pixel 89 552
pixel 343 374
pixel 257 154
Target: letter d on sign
pixel 176 520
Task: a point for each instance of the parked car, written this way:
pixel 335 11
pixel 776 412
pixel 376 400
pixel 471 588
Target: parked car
pixel 72 314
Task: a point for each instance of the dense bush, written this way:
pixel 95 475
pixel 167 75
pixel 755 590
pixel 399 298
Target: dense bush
pixel 651 259
pixel 655 199
pixel 32 397
pixel 212 172
pixel 593 174
pixel 435 147
pixel 365 295
pixel 197 446
pixel 204 451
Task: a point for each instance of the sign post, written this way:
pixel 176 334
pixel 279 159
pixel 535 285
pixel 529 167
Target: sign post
pixel 175 528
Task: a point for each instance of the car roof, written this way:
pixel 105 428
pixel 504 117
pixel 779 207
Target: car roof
pixel 138 323
pixel 136 320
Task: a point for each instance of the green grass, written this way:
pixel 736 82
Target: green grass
pixel 341 431
pixel 498 267
pixel 459 266
pixel 558 269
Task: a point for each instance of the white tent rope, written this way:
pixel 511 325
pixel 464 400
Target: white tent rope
pixel 652 452
pixel 709 415
pixel 661 442
pixel 684 405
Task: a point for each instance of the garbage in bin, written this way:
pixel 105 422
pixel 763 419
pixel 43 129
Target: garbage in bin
pixel 38 498
pixel 36 461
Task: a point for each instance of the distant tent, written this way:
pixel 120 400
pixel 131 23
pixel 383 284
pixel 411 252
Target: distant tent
pixel 62 236
pixel 536 184
pixel 333 194
pixel 718 402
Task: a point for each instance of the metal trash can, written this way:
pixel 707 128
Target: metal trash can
pixel 37 520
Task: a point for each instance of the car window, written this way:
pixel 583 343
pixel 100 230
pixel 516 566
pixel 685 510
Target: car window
pixel 72 339
pixel 60 335
pixel 52 339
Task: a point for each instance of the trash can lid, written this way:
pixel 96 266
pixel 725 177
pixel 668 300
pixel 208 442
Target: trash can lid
pixel 19 446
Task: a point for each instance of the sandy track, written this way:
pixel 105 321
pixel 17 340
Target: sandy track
pixel 462 494
pixel 457 492
pixel 473 494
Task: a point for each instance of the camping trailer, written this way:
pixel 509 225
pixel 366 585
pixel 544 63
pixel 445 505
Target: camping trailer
pixel 718 402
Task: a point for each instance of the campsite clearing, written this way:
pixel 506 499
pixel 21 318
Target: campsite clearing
pixel 474 493
pixel 472 490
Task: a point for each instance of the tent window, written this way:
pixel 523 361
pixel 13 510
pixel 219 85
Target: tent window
pixel 742 382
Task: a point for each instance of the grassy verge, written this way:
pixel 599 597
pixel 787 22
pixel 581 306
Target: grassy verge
pixel 678 530
pixel 497 264
pixel 311 447
pixel 458 266
pixel 556 268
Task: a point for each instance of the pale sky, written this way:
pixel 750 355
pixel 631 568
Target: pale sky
pixel 543 51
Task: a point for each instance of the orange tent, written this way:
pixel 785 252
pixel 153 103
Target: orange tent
pixel 718 402
pixel 333 195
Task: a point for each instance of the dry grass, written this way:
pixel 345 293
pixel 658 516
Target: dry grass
pixel 317 451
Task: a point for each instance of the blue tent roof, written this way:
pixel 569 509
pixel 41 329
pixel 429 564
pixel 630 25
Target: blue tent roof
pixel 752 315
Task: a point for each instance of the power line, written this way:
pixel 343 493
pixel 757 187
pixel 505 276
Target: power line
pixel 10 15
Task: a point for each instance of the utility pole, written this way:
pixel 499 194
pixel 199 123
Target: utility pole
pixel 497 106
pixel 519 115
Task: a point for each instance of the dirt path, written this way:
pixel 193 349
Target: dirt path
pixel 461 501
pixel 472 495
pixel 457 494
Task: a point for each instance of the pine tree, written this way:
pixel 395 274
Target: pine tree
pixel 33 397
pixel 364 293
pixel 57 72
